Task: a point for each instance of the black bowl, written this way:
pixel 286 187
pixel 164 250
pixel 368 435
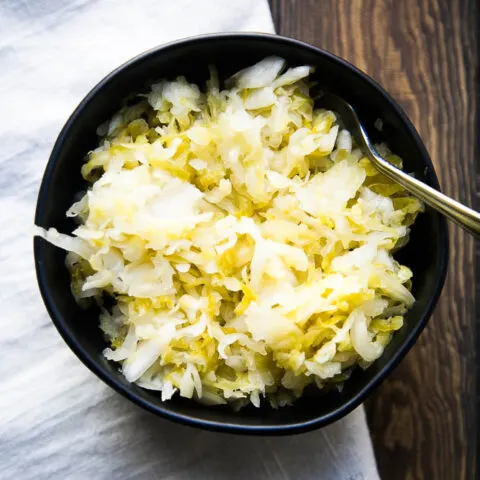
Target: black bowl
pixel 426 253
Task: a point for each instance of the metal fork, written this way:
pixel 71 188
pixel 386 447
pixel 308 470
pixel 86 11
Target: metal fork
pixel 464 216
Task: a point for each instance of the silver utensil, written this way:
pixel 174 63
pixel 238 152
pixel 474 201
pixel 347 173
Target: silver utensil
pixel 466 217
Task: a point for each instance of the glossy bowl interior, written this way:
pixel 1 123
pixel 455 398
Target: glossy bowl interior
pixel 425 254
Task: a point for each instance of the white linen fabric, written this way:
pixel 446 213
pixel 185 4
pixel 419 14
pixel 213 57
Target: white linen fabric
pixel 57 420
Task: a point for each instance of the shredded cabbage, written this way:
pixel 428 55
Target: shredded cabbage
pixel 244 239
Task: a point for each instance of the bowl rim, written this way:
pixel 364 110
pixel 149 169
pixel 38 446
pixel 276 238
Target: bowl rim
pixel 125 390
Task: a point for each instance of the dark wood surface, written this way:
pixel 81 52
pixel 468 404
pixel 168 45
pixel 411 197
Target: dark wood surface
pixel 425 53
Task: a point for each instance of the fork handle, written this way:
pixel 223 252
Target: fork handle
pixel 464 216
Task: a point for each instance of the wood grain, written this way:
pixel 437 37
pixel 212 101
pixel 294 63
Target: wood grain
pixel 425 53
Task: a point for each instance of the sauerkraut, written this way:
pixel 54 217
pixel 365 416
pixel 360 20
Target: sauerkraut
pixel 238 242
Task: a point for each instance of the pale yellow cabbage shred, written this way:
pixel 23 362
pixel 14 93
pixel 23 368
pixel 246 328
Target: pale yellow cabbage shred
pixel 246 242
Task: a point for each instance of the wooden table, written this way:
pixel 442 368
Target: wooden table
pixel 425 53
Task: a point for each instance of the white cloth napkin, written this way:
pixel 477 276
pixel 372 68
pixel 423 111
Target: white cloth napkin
pixel 57 420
